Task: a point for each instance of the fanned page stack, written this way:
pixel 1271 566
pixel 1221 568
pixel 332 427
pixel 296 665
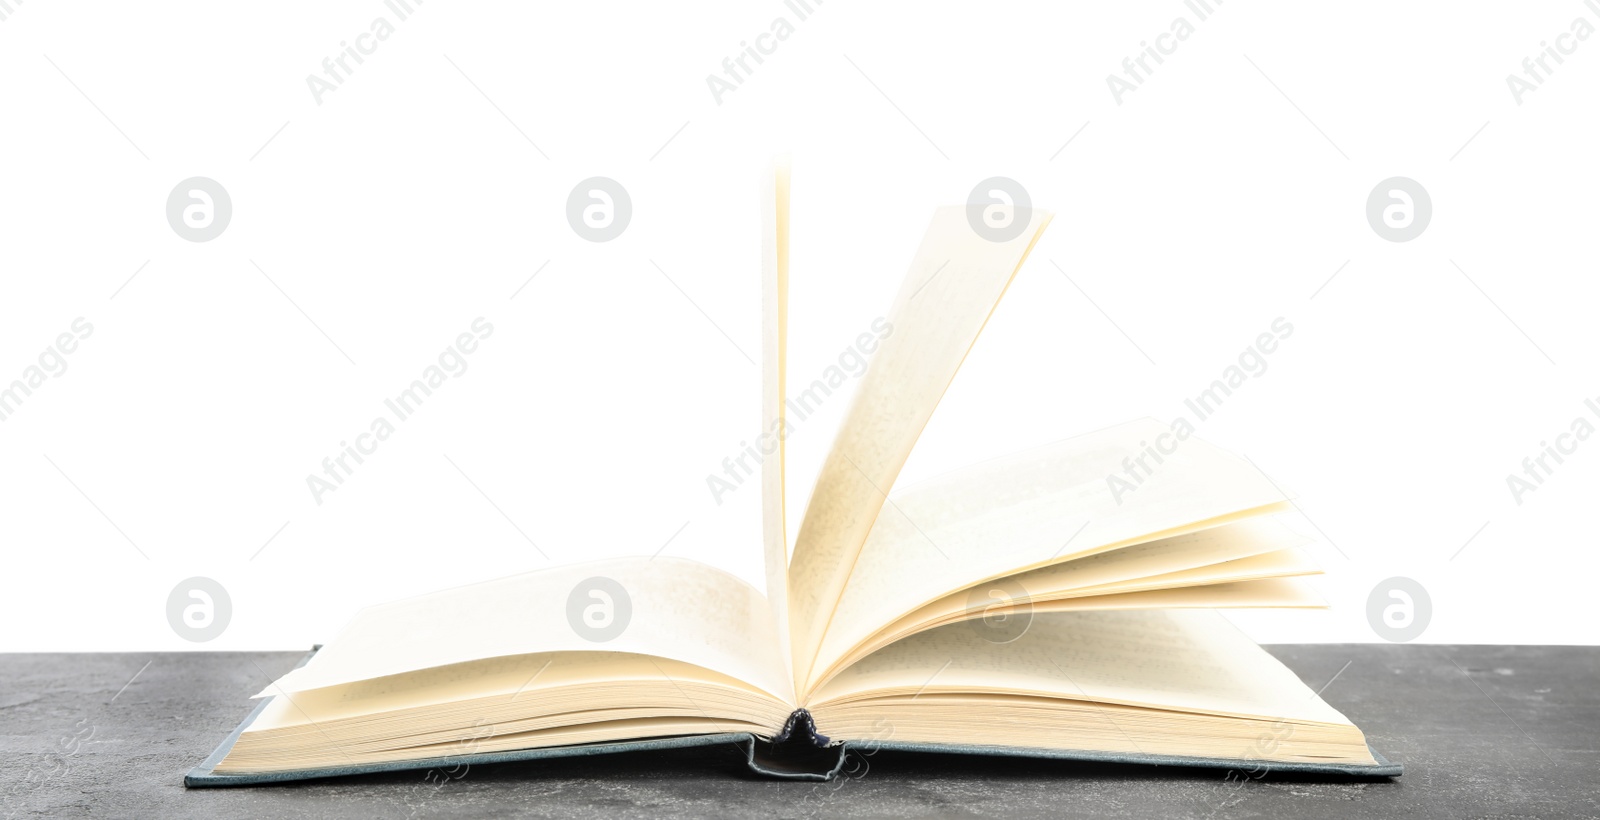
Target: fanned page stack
pixel 1011 608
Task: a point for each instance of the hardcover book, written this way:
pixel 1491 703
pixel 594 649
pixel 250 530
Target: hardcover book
pixel 1025 606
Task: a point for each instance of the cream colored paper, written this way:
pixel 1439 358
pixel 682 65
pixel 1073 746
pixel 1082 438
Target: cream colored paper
pixel 681 610
pixel 1192 660
pixel 1032 509
pixel 1254 549
pixel 1149 682
pixel 1205 556
pixel 1266 590
pixel 774 426
pixel 955 281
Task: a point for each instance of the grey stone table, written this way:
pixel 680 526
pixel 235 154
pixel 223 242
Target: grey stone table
pixel 1483 732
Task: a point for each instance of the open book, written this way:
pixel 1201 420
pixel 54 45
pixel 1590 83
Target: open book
pixel 1022 606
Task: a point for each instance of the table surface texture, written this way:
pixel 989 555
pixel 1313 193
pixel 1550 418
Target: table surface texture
pixel 1483 732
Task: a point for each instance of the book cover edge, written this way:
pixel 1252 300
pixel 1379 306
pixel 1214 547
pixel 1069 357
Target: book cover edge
pixel 204 775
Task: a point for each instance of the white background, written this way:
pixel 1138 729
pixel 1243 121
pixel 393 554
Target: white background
pixel 371 229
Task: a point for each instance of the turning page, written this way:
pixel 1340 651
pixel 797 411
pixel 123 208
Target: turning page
pixel 774 427
pixel 1031 509
pixel 955 282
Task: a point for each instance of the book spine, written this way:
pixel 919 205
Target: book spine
pixel 801 728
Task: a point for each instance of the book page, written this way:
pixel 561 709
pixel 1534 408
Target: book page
pixel 1209 549
pixel 524 679
pixel 955 281
pixel 1190 660
pixel 1247 551
pixel 522 701
pixel 1211 555
pixel 664 607
pixel 1042 506
pixel 1267 593
pixel 1275 564
pixel 774 368
pixel 1250 583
